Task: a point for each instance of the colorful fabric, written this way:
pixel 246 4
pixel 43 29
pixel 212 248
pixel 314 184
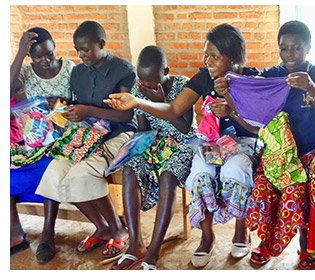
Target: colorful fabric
pixel 209 126
pixel 157 156
pixel 76 143
pixel 224 193
pixel 280 161
pixel 22 156
pixel 277 215
pixel 251 97
pixel 149 166
pixel 311 229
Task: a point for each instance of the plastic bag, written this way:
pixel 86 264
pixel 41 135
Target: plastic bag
pixel 36 129
pixel 135 146
pixel 81 140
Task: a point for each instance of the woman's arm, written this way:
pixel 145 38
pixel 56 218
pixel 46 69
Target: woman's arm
pixel 27 39
pixel 222 109
pixel 168 111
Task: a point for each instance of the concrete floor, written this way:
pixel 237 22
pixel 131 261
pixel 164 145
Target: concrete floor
pixel 175 253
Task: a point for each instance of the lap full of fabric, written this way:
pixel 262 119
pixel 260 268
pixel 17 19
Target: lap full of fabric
pixel 69 181
pixel 224 191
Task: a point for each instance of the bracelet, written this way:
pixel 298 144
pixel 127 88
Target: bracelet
pixel 234 114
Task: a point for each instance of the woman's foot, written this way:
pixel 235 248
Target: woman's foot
pixel 201 256
pixel 306 261
pixel 19 244
pixel 46 250
pixel 127 263
pixel 98 238
pixel 260 255
pixel 241 241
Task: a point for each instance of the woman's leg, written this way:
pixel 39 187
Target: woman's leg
pixel 16 230
pixel 207 236
pixel 164 213
pixel 46 249
pixel 132 203
pixel 241 233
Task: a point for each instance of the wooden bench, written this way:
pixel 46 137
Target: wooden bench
pixel 70 212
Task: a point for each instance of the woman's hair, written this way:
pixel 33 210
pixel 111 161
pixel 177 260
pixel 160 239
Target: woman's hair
pixel 152 55
pixel 43 35
pixel 90 29
pixel 229 41
pixel 296 27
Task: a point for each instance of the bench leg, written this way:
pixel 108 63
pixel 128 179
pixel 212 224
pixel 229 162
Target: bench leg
pixel 186 222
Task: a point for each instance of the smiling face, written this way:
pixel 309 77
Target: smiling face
pixel 43 55
pixel 216 63
pixel 90 52
pixel 293 51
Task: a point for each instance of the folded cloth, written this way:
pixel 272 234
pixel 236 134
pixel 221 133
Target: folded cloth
pixel 280 161
pixel 252 95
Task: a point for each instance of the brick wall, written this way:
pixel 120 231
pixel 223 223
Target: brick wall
pixel 181 32
pixel 61 21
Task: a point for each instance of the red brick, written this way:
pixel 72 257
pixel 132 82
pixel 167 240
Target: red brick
pixel 196 64
pixel 193 16
pixel 73 16
pixel 187 25
pixel 178 64
pixel 113 45
pixel 95 16
pixel 84 8
pixel 188 56
pixel 188 35
pixel 52 17
pixel 224 15
pixel 178 46
pixel 250 15
pixel 198 46
pixel 164 16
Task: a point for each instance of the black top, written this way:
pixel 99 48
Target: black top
pixel 203 84
pixel 91 85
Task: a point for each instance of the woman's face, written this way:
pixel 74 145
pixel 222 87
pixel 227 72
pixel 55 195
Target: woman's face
pixel 90 52
pixel 43 55
pixel 151 76
pixel 217 63
pixel 293 51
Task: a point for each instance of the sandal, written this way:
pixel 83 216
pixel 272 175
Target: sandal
pixel 116 245
pixel 129 257
pixel 262 256
pixel 25 244
pixel 306 261
pixel 90 244
pixel 146 266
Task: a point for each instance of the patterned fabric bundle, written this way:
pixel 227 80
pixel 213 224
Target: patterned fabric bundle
pixel 311 229
pixel 280 162
pixel 21 156
pixel 158 154
pixel 76 143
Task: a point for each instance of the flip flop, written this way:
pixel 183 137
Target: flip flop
pixel 130 257
pixel 90 243
pixel 262 252
pixel 240 250
pixel 201 259
pixel 116 243
pixel 306 261
pixel 25 244
pixel 146 266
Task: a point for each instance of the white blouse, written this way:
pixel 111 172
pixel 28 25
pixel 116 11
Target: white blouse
pixel 36 86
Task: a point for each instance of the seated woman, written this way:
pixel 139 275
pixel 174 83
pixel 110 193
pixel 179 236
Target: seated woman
pixel 288 208
pixel 224 51
pixel 44 76
pixel 152 177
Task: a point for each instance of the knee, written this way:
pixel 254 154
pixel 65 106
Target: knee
pixel 168 182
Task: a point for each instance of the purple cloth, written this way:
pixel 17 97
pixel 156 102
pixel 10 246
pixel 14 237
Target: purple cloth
pixel 258 100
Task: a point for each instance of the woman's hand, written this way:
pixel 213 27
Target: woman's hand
pixel 155 95
pixel 221 109
pixel 300 80
pixel 76 113
pixel 121 101
pixel 221 85
pixel 26 41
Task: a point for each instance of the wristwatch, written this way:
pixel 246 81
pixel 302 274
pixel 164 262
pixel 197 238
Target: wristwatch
pixel 234 114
